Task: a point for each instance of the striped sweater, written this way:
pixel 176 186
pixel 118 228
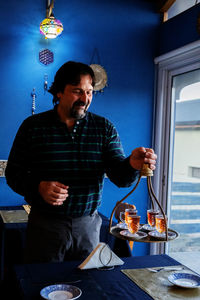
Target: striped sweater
pixel 44 149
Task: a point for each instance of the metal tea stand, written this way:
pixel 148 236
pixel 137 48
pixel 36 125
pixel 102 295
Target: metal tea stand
pixel 115 230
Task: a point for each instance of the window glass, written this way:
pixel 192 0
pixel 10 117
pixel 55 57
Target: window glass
pixel 184 197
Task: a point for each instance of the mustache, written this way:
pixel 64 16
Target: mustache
pixel 79 103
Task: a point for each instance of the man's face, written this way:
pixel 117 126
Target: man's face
pixel 76 99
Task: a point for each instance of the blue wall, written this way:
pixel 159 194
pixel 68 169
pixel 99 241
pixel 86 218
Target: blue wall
pixel 125 34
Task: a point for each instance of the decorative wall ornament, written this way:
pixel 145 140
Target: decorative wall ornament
pixel 46 57
pixel 33 95
pixel 99 72
pixel 100 77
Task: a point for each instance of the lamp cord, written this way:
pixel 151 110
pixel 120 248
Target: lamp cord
pixel 50 8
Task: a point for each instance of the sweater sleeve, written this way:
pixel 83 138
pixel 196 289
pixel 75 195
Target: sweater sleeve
pixel 18 172
pixel 118 168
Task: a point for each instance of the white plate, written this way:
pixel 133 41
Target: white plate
pixel 147 227
pixel 122 225
pixel 160 236
pixel 185 280
pixel 60 292
pixel 138 235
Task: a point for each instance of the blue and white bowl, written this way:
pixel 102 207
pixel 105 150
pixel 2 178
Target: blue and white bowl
pixel 185 280
pixel 60 292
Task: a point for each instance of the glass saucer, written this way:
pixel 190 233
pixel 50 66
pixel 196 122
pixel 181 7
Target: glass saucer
pixel 138 235
pixel 162 236
pixel 122 225
pixel 147 227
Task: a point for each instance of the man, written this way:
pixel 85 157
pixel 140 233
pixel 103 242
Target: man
pixel 58 162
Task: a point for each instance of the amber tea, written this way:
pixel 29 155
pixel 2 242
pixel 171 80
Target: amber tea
pixel 133 222
pixel 160 223
pixel 129 211
pixel 151 213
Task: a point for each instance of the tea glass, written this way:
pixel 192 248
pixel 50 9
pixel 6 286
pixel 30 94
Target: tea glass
pixel 124 214
pixel 160 224
pixel 129 211
pixel 151 214
pixel 133 223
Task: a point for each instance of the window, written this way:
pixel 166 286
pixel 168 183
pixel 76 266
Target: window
pixel 184 202
pixel 194 172
pixel 177 143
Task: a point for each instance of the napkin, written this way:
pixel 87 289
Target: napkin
pixel 27 208
pixel 101 256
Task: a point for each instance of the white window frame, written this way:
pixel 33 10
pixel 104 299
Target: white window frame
pixel 176 62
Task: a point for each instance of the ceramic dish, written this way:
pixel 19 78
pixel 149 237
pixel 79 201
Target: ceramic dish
pixel 155 234
pixel 60 292
pixel 138 235
pixel 185 280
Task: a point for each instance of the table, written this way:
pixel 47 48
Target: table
pixel 13 223
pixel 95 284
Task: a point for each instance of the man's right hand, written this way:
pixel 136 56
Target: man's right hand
pixel 121 208
pixel 53 192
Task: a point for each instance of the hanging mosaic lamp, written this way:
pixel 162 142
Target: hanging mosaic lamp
pixel 50 27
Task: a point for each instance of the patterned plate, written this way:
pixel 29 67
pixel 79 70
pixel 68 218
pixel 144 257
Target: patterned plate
pixel 185 280
pixel 60 291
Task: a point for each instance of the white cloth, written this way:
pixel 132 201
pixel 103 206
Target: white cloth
pixel 101 256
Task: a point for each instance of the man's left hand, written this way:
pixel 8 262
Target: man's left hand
pixel 140 156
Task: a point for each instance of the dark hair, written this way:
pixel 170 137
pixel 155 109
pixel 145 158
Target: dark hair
pixel 69 73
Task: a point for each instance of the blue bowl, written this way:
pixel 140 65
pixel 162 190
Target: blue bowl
pixel 60 291
pixel 185 280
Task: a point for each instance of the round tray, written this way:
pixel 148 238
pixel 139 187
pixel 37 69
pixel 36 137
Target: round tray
pixel 115 230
